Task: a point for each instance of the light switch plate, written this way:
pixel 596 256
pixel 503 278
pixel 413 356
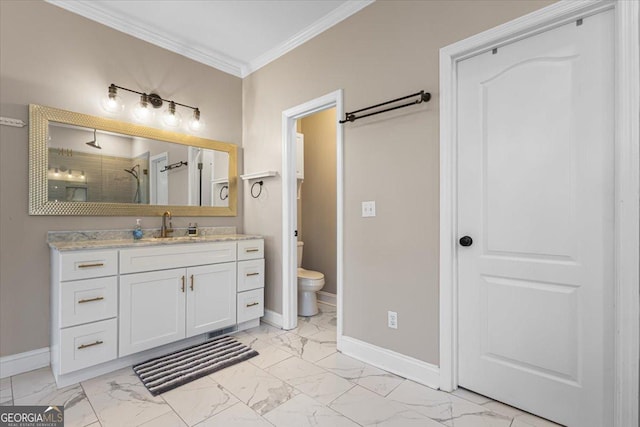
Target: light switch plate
pixel 368 209
pixel 392 319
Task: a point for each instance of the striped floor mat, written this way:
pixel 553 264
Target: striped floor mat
pixel 168 372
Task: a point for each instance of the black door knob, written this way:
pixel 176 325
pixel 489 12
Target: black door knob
pixel 466 241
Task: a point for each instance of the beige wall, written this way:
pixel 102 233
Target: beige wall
pixel 52 57
pixel 49 56
pixel 318 196
pixel 387 50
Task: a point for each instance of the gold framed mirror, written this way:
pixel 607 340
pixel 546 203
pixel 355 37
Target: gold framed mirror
pixel 87 165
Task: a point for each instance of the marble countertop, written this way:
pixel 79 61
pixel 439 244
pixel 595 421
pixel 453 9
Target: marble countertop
pixel 113 240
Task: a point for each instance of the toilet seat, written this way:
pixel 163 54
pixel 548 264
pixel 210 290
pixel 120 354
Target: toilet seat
pixel 309 274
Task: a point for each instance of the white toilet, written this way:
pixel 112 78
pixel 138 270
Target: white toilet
pixel 309 282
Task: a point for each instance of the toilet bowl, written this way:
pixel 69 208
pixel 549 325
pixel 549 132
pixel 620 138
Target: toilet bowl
pixel 309 282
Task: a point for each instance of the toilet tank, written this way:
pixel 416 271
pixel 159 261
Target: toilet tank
pixel 300 245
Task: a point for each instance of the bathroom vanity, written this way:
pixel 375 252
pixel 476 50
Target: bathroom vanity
pixel 115 303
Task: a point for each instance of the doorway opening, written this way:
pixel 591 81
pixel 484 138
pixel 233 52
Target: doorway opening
pixel 331 101
pixel 316 207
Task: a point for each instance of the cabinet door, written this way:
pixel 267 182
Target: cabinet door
pixel 211 297
pixel 151 309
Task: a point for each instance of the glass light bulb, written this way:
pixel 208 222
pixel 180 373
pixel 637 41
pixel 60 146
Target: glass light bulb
pixel 196 125
pixel 142 113
pixel 112 104
pixel 171 117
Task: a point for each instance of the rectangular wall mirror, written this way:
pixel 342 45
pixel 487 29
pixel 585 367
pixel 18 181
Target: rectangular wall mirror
pixel 86 165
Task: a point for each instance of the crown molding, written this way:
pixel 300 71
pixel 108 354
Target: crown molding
pixel 321 25
pixel 118 22
pixel 211 58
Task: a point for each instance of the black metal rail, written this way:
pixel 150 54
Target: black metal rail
pixel 423 97
pixel 174 166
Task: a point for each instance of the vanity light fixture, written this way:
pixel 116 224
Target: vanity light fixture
pixel 143 111
pixel 56 172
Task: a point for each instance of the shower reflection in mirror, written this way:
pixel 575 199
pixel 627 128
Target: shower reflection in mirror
pixel 89 165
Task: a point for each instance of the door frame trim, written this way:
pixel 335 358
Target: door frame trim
pixel 289 206
pixel 627 186
pixel 153 170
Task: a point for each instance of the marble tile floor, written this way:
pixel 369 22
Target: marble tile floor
pixel 297 380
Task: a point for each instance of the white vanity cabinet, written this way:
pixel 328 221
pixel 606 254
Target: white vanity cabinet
pixel 161 306
pixel 112 308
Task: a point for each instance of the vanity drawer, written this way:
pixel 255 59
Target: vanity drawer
pixel 88 264
pixel 250 305
pixel 175 256
pixel 250 274
pixel 87 345
pixel 250 249
pixel 88 300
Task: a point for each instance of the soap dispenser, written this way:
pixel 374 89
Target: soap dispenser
pixel 137 232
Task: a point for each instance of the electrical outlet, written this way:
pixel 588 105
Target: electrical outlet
pixel 368 209
pixel 392 319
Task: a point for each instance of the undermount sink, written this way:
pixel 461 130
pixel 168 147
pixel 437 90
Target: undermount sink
pixel 170 238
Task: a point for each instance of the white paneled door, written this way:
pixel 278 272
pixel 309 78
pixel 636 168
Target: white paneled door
pixel 535 222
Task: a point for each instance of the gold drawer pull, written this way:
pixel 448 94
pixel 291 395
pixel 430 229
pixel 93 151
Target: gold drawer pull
pixel 253 274
pixel 82 301
pixel 252 250
pixel 252 304
pixel 97 264
pixel 90 345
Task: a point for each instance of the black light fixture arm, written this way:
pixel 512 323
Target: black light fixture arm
pixel 152 97
pixel 351 116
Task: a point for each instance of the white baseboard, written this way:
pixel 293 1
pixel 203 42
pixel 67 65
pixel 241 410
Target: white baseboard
pixel 326 297
pixel 24 362
pixel 399 364
pixel 248 324
pixel 272 318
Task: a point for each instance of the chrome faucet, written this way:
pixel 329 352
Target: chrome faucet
pixel 164 230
